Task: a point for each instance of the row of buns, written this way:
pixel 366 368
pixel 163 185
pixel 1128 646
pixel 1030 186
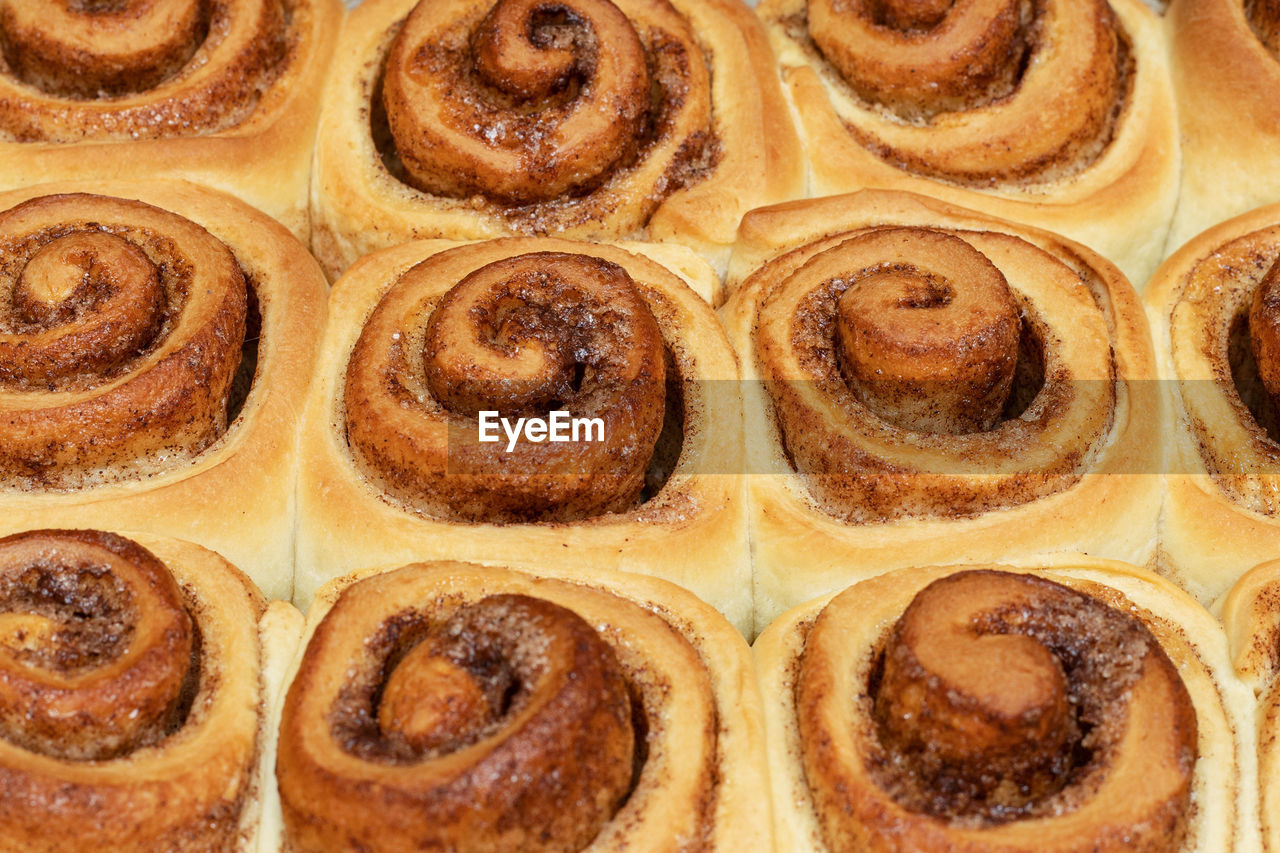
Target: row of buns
pixel 891 381
pixel 1106 122
pixel 153 701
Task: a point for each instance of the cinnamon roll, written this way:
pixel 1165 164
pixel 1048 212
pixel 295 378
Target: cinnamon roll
pixel 222 92
pixel 1215 327
pixel 477 708
pixel 156 341
pixel 934 383
pixel 434 346
pixel 1226 73
pixel 135 676
pixel 1058 114
pixel 588 120
pixel 1061 703
pixel 1251 613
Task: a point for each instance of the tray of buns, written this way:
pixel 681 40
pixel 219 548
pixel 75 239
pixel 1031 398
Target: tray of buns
pixel 602 425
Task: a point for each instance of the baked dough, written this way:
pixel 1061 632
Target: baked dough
pixel 600 163
pixel 142 440
pixel 225 94
pixel 1226 77
pixel 1219 515
pixel 148 738
pixel 700 777
pixel 798 646
pixel 392 468
pixel 1065 121
pixel 1251 614
pixel 852 479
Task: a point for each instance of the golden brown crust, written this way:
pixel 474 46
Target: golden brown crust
pixel 1090 809
pixel 1225 78
pixel 864 466
pixel 698 779
pixel 974 71
pixel 688 526
pixel 1063 119
pixel 236 110
pixel 400 157
pixel 232 490
pixel 553 712
pixel 992 679
pixel 190 784
pixel 1220 509
pixel 136 637
pixel 856 493
pixel 488 108
pixel 138 45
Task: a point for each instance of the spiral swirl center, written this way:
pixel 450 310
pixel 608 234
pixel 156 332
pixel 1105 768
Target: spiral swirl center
pixel 527 107
pixel 88 48
pixel 927 335
pixel 100 280
pixel 535 332
pixel 531 48
pixel 991 682
pixel 524 336
pixel 432 702
pixel 95 644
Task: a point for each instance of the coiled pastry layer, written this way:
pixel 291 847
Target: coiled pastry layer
pixel 524 335
pixel 928 373
pixel 976 70
pixel 123 333
pixel 561 716
pixel 130 694
pixel 527 401
pixel 157 339
pixel 841 342
pixel 76 71
pixel 222 92
pixel 526 102
pixel 594 119
pixel 1057 114
pixel 1075 704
